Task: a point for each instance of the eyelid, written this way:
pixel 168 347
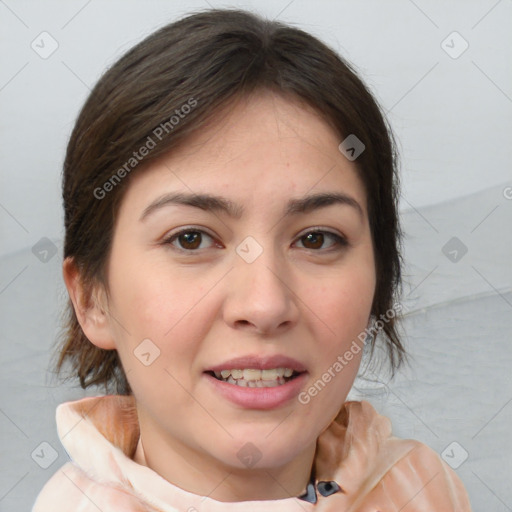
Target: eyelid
pixel 185 229
pixel 325 229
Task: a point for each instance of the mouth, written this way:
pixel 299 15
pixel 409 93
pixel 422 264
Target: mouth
pixel 257 371
pixel 255 377
pixel 263 382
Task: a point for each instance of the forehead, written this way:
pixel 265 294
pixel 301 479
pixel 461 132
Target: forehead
pixel 262 146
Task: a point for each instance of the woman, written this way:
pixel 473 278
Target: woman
pixel 232 245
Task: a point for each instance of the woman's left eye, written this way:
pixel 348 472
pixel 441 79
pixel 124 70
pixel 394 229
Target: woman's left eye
pixel 315 240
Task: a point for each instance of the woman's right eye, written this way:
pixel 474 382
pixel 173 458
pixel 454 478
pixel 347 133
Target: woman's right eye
pixel 188 240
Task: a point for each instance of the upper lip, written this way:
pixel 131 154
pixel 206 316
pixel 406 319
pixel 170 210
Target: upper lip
pixel 259 363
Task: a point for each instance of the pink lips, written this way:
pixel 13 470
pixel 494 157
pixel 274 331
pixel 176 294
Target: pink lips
pixel 258 398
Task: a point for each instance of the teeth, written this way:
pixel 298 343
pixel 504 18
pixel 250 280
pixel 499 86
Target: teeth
pixel 240 382
pixel 271 374
pixel 254 374
pixel 256 383
pixel 254 378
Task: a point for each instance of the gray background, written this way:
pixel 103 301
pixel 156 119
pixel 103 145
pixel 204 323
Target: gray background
pixel 451 112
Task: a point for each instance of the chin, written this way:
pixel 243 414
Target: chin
pixel 262 449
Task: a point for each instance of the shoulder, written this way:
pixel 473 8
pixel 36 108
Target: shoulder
pixel 410 474
pixel 70 489
pixel 421 480
pixel 377 469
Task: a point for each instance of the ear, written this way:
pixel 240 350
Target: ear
pixel 90 307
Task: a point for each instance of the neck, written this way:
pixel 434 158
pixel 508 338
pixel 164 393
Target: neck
pixel 201 474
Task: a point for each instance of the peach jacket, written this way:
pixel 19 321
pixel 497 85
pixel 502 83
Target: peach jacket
pixel 375 471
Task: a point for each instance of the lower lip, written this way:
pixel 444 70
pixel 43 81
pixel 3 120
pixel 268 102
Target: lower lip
pixel 259 398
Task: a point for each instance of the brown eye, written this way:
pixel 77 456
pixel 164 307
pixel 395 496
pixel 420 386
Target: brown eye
pixel 315 240
pixel 189 240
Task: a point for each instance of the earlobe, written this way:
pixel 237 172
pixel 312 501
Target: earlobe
pixel 90 310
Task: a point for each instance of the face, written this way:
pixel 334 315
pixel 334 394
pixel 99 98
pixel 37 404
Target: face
pixel 233 292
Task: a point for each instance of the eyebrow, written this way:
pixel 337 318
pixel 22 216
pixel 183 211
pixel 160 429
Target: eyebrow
pixel 220 204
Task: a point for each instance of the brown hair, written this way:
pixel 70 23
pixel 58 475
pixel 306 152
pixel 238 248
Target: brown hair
pixel 211 58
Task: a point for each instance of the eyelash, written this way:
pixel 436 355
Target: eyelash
pixel 340 242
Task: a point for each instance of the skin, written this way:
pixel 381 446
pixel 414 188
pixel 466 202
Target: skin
pixel 300 298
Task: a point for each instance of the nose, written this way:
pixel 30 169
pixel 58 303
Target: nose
pixel 260 296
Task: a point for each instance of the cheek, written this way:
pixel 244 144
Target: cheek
pixel 343 308
pixel 155 299
pixel 170 309
pixel 345 303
